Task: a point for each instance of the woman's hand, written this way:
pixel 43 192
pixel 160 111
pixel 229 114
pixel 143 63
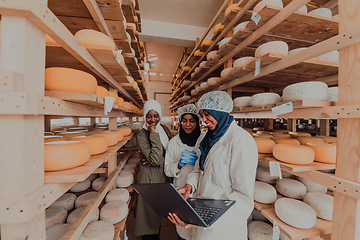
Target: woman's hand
pixel 146 162
pixel 151 127
pixel 185 191
pixel 177 221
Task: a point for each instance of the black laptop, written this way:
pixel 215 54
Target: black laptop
pixel 164 198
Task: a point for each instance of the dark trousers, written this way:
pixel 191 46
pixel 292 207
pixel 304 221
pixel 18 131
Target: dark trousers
pixel 180 238
pixel 150 237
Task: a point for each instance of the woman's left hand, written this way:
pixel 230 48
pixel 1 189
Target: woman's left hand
pixel 177 221
pixel 146 162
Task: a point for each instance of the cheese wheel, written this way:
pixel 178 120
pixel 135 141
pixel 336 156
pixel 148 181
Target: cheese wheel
pixel 213 55
pixel 81 186
pixel 198 53
pixel 263 3
pixel 324 152
pixel 241 26
pixel 291 188
pixel 202 64
pixel 71 135
pixel 295 213
pixel 305 140
pixel 76 213
pixel 293 154
pixel 225 72
pixel 114 95
pixel 213 80
pixel 242 62
pixel 218 27
pixel 327 139
pixel 232 7
pixel 322 203
pixel 120 134
pixel 286 141
pixel 255 129
pixel 102 92
pixel 296 50
pixel 98 183
pixel 114 211
pixel 336 17
pixel 264 145
pixel 55 216
pixel 84 199
pixel 258 230
pixel 93 37
pixel 257 135
pixel 66 201
pixel 65 155
pixel 264 193
pixel 57 232
pixel 129 170
pixel 312 186
pixel 332 95
pixel 242 102
pixel 48 139
pixel 263 132
pixel 119 194
pixel 278 47
pixel 126 130
pixel 303 9
pixel 332 57
pixel 120 101
pixel 97 144
pixel 130 165
pixel 262 99
pixel 77 129
pixel 280 135
pixel 103 230
pixel 311 90
pixel 92 177
pixel 57 129
pixel 112 138
pixel 197 69
pixel 224 41
pixel 69 80
pixel 49 134
pixel 263 175
pixel 299 134
pixel 192 75
pixel 207 42
pixel 322 12
pixel 124 179
pixel 257 216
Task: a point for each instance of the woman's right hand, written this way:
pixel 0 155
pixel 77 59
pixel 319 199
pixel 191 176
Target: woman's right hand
pixel 185 191
pixel 151 127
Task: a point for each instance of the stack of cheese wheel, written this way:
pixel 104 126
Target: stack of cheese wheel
pixel 224 41
pixel 65 155
pixel 55 216
pixel 212 81
pixel 124 179
pixel 224 73
pixel 218 27
pixel 264 193
pixel 311 90
pixel 84 199
pixel 120 134
pixel 119 194
pixel 293 154
pixel 213 55
pixel 258 230
pixel 103 230
pixel 102 92
pixel 264 145
pixel 126 130
pixel 242 62
pixel 241 26
pixel 92 37
pixel 66 201
pixel 232 7
pixel 98 183
pixel 114 211
pixel 332 95
pixel 111 137
pixel 324 152
pixel 277 47
pixel 57 232
pixel 76 213
pixel 322 203
pixel 48 139
pixel 305 140
pixel 262 99
pixel 291 188
pixel 323 12
pixel 71 135
pixel 98 144
pixel 242 102
pixel 81 186
pixel 263 175
pixel 286 141
pixel 263 3
pixel 69 80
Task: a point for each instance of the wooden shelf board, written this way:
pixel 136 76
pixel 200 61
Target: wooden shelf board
pixel 128 13
pixel 204 47
pixel 224 50
pixel 77 174
pixel 238 72
pixel 321 227
pixel 78 97
pixel 229 17
pixel 106 156
pixel 314 166
pixel 215 36
pixel 212 61
pixel 123 45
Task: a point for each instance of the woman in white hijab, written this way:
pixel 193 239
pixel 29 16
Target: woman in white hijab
pixel 153 140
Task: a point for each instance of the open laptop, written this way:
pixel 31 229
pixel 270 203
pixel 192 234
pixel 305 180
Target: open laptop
pixel 164 198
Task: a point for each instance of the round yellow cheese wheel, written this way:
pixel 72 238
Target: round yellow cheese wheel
pixel 304 140
pixel 218 27
pixel 264 145
pixel 65 154
pixel 256 135
pixel 207 42
pixel 111 137
pixel 258 129
pixel 328 139
pixel 97 144
pixel 198 53
pixel 70 135
pixel 102 92
pixel 281 130
pixel 49 134
pixel 263 132
pixel 298 134
pixel 324 152
pixel 186 68
pixel 232 7
pixel 286 141
pixel 114 95
pixel 69 80
pixel 92 37
pixel 126 130
pixel 120 101
pixel 280 135
pixel 53 139
pixel 127 106
pixel 120 134
pixel 57 129
pixel 294 154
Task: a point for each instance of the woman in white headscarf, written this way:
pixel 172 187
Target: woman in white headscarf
pixel 153 140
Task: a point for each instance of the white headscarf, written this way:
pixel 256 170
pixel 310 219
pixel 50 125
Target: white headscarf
pixel 155 105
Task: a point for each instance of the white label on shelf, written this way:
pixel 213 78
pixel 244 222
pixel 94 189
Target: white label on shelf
pixel 255 17
pixel 282 109
pixel 276 231
pixel 257 66
pixel 109 102
pixel 118 56
pixel 275 169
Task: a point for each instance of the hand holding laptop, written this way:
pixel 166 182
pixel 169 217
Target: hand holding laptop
pixel 177 221
pixel 185 191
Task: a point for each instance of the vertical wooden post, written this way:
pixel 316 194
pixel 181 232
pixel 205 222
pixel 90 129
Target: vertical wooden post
pixel 268 124
pixel 93 122
pixel 76 120
pixel 346 223
pixel 22 155
pixel 324 127
pixel 131 120
pixel 47 123
pixel 291 124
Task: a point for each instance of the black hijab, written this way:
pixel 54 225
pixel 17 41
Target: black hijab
pixel 191 138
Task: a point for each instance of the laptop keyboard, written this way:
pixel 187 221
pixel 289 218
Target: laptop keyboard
pixel 206 213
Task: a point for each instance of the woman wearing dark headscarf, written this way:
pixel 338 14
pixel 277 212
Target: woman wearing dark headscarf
pixel 227 168
pixel 183 152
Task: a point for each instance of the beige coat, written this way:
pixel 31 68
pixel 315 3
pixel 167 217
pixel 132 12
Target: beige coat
pixel 229 173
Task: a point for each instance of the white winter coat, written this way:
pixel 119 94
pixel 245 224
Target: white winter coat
pixel 229 173
pixel 172 157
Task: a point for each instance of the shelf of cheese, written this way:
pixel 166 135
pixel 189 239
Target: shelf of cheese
pixel 314 166
pixel 120 226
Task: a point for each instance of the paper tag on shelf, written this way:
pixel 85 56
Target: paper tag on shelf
pixel 276 231
pixel 118 56
pixel 282 109
pixel 109 102
pixel 275 170
pixel 255 17
pixel 257 66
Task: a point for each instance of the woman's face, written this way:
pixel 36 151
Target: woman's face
pixel 188 123
pixel 152 117
pixel 209 120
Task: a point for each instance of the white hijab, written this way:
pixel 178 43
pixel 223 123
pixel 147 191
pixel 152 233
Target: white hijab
pixel 155 105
